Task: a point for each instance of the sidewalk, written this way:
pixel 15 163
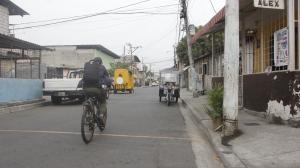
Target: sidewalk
pixel 20 106
pixel 261 145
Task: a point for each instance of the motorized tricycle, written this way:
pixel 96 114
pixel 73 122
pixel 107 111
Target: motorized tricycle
pixel 168 89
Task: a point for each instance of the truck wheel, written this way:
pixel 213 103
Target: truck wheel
pixel 81 99
pixel 130 91
pixel 56 100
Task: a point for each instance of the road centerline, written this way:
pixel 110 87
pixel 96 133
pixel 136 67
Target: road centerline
pixel 107 135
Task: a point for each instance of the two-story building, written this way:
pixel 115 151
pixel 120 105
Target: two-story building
pixel 19 61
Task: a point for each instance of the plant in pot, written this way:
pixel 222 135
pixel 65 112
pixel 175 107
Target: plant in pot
pixel 215 100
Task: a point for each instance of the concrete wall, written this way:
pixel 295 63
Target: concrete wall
pixel 277 94
pixel 4 20
pixel 70 57
pixel 60 57
pixel 14 90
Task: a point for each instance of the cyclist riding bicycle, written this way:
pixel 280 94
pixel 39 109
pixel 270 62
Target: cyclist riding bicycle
pixel 95 78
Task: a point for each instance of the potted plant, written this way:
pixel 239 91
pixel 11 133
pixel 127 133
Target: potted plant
pixel 215 101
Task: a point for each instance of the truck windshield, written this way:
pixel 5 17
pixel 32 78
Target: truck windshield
pixel 76 75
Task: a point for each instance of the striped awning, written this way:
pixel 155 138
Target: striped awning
pixel 213 22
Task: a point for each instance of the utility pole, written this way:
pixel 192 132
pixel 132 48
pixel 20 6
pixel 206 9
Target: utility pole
pixel 150 73
pixel 175 65
pixel 231 69
pixel 192 79
pixel 131 51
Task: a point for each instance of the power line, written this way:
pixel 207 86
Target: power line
pixel 64 18
pixel 159 61
pixel 82 17
pixel 213 7
pixel 156 7
pixel 115 13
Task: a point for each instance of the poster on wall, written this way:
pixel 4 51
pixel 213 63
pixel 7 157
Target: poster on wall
pixel 281 47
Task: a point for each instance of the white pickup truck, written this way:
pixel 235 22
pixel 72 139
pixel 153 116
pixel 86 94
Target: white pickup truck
pixel 61 89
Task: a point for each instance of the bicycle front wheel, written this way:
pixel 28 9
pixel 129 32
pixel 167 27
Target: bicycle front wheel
pixel 87 125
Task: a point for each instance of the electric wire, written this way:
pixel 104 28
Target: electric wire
pixel 82 17
pixel 112 13
pixel 64 18
pixel 213 7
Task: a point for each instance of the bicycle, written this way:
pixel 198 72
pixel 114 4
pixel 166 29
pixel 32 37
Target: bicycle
pixel 89 119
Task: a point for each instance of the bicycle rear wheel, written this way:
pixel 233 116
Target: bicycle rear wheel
pixel 87 125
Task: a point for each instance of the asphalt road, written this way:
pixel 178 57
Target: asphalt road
pixel 140 133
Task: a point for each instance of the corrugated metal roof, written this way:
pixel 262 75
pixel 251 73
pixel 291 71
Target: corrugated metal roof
pixel 13 8
pixel 90 46
pixel 14 43
pixel 99 47
pixel 213 22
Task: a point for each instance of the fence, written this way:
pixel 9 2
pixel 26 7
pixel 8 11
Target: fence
pixel 16 63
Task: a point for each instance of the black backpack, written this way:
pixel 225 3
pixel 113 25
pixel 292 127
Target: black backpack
pixel 91 76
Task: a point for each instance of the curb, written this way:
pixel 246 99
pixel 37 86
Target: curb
pixel 226 154
pixel 16 107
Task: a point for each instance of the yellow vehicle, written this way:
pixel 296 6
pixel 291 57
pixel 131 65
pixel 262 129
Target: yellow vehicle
pixel 123 81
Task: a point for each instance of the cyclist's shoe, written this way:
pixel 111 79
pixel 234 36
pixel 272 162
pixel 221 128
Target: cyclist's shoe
pixel 101 123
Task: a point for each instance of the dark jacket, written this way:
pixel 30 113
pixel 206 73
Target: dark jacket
pixel 104 77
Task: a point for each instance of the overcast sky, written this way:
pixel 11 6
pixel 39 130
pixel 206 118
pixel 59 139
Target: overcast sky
pixel 155 33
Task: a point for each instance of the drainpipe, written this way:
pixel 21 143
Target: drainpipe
pixel 262 40
pixel 231 69
pixel 40 64
pixel 212 55
pixel 291 27
pixel 244 59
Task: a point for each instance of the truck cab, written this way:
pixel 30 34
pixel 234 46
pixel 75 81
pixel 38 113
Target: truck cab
pixel 63 89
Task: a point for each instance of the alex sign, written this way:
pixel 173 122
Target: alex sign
pixel 271 4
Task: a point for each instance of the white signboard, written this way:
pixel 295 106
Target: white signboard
pixel 281 47
pixel 271 4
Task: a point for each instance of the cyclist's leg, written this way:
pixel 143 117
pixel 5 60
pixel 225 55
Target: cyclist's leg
pixel 102 103
pixel 94 92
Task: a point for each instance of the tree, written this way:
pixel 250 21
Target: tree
pixel 201 47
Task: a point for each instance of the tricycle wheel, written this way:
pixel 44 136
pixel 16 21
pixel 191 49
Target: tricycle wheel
pixel 169 100
pixel 159 98
pixel 107 94
pixel 176 99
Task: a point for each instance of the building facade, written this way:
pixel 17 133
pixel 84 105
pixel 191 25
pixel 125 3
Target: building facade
pixel 19 61
pixel 269 57
pixel 64 58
